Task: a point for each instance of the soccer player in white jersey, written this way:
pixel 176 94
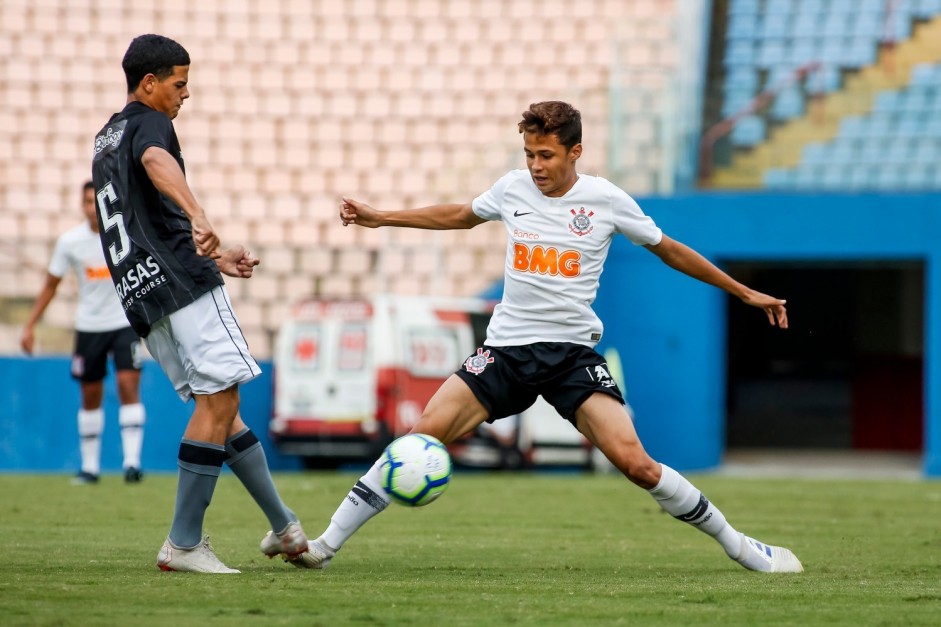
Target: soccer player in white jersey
pixel 542 335
pixel 101 328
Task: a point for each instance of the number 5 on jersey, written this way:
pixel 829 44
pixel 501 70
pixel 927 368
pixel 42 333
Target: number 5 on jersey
pixel 120 250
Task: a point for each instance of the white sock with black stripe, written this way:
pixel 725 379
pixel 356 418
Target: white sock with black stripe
pixel 679 498
pixel 365 500
pixel 91 423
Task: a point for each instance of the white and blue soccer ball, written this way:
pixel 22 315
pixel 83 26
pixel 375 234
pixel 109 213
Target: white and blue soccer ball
pixel 416 469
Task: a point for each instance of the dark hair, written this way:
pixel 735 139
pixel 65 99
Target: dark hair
pixel 554 117
pixel 152 54
pixel 89 185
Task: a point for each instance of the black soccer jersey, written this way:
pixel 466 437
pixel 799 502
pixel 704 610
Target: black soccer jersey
pixel 147 238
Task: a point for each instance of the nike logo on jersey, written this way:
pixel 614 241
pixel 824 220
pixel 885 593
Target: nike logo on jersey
pixel 517 214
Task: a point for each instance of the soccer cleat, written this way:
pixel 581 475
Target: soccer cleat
pixel 133 475
pixel 84 478
pixel 317 556
pixel 199 559
pixel 763 557
pixel 291 542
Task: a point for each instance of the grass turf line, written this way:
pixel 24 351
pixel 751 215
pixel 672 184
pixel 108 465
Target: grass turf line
pixel 494 550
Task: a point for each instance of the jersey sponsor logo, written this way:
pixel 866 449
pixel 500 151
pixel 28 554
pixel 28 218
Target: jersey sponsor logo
pixel 475 364
pixel 524 234
pixel 97 274
pixel 581 222
pixel 139 280
pixel 546 260
pixel 110 138
pixel 518 213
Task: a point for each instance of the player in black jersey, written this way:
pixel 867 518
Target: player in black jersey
pixel 166 263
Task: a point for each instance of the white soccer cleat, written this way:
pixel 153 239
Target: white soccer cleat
pixel 199 559
pixel 291 542
pixel 763 557
pixel 317 556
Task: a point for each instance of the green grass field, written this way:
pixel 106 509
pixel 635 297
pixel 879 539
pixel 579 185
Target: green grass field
pixel 494 550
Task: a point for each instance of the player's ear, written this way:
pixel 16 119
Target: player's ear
pixel 575 152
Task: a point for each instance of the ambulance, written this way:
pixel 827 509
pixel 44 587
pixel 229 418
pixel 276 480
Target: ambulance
pixel 351 375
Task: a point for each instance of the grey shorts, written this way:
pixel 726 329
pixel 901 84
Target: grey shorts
pixel 201 347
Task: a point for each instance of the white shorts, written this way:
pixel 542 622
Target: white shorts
pixel 201 347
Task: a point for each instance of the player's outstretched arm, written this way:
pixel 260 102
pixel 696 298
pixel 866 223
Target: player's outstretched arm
pixel 437 217
pixel 48 292
pixel 167 176
pixel 681 257
pixel 237 262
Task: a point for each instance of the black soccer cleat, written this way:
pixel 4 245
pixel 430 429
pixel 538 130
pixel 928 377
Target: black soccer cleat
pixel 133 475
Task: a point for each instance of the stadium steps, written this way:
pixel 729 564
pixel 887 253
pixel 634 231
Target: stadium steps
pixel 892 70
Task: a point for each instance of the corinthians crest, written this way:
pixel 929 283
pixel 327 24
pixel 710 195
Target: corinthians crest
pixel 475 364
pixel 581 221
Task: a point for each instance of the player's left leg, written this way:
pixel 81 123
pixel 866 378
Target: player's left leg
pixel 247 460
pixel 605 422
pixel 125 349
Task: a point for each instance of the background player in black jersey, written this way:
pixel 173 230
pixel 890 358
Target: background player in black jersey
pixel 165 261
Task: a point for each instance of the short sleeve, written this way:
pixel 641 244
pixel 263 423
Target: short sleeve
pixel 489 204
pixel 155 129
pixel 631 221
pixel 59 264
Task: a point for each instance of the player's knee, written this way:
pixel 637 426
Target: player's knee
pixel 641 470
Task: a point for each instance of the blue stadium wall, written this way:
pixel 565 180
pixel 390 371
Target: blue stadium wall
pixel 669 330
pixel 39 403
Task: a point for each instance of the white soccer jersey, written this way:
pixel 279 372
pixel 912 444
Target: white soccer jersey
pixel 556 249
pixel 98 306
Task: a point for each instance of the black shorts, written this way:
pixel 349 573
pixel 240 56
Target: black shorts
pixel 90 360
pixel 507 379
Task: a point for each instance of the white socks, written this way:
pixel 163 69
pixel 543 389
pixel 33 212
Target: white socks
pixel 131 417
pixel 679 498
pixel 365 500
pixel 90 424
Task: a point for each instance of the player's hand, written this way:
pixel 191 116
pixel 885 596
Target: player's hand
pixel 237 262
pixel 355 212
pixel 205 238
pixel 774 307
pixel 27 340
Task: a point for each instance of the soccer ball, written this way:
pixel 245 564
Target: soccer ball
pixel 416 469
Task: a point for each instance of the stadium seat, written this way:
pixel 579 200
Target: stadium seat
pixel 789 103
pixel 778 178
pixel 743 6
pixel 749 131
pixel 815 153
pixel 926 9
pixel 742 26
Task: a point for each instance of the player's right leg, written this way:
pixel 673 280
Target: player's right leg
pixel 125 349
pixel 89 366
pixel 453 411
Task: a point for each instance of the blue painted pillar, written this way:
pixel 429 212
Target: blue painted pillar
pixel 669 331
pixel 932 367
